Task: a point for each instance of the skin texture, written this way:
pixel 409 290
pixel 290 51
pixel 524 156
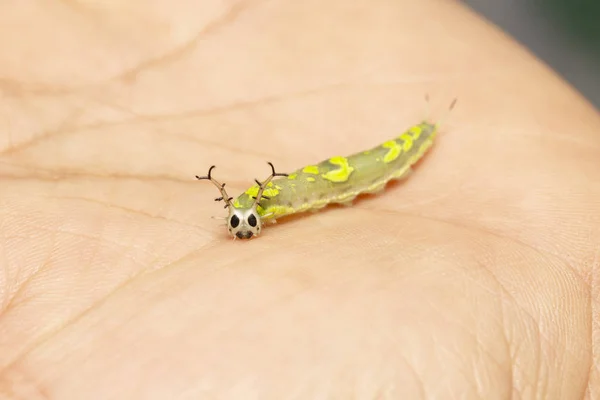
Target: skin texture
pixel 476 278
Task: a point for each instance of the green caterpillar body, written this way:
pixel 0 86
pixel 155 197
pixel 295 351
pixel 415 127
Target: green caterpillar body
pixel 340 179
pixel 335 180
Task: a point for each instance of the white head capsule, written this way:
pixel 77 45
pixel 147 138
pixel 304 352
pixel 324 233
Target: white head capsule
pixel 242 223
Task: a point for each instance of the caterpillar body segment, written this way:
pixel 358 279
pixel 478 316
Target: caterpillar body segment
pixel 340 179
pixel 334 180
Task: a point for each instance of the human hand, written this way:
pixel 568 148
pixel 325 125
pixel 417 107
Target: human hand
pixel 475 278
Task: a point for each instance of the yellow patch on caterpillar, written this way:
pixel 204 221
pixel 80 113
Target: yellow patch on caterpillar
pixel 292 176
pixel 270 191
pixel 252 191
pixel 310 179
pixel 311 169
pixel 407 141
pixel 393 152
pixel 340 174
pixel 416 131
pixel 272 211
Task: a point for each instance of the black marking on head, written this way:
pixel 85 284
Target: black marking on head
pixel 244 234
pixel 234 222
pixel 252 220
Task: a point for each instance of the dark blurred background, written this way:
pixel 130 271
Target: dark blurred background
pixel 565 34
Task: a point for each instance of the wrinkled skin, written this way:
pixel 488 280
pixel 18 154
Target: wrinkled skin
pixel 476 278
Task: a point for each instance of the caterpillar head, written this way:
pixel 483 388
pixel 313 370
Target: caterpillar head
pixel 243 223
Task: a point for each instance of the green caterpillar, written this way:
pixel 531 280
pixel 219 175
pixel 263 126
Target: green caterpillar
pixel 335 180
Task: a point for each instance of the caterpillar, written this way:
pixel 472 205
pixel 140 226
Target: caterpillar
pixel 335 180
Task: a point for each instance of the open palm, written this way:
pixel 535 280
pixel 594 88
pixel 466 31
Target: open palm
pixel 475 278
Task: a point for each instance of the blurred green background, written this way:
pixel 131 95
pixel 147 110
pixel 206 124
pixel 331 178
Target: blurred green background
pixel 563 33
